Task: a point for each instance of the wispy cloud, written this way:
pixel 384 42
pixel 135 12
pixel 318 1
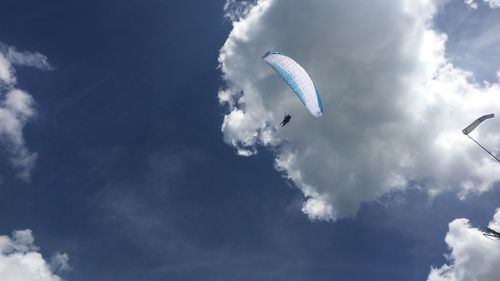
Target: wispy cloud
pixel 471 4
pixel 491 3
pixel 130 207
pixel 17 107
pixel 394 105
pixel 36 59
pixel 59 262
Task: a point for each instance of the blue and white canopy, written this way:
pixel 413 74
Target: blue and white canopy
pixel 298 79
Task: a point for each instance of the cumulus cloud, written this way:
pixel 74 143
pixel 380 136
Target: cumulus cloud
pixel 21 261
pixel 473 257
pixel 394 106
pixel 17 107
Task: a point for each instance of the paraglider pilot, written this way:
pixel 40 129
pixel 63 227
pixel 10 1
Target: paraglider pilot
pixel 286 119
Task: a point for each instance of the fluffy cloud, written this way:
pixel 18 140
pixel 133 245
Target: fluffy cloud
pixel 473 257
pixel 21 261
pixel 394 106
pixel 17 107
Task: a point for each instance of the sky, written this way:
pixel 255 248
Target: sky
pixel 138 141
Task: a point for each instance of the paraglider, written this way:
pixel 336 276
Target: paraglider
pixel 473 125
pixel 286 119
pixel 297 79
pixel 476 123
pixel 490 233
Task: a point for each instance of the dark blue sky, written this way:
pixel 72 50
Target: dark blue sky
pixel 134 182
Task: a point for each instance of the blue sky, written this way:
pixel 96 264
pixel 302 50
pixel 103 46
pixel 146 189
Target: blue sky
pixel 134 179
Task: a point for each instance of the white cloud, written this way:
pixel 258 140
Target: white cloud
pixel 473 257
pixel 17 107
pixel 471 4
pixel 493 3
pixel 6 72
pixel 234 10
pixel 36 59
pixel 21 261
pixel 495 223
pixel 394 106
pixel 59 262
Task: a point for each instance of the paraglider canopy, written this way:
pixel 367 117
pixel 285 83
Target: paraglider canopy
pixel 473 125
pixel 476 123
pixel 490 233
pixel 297 79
